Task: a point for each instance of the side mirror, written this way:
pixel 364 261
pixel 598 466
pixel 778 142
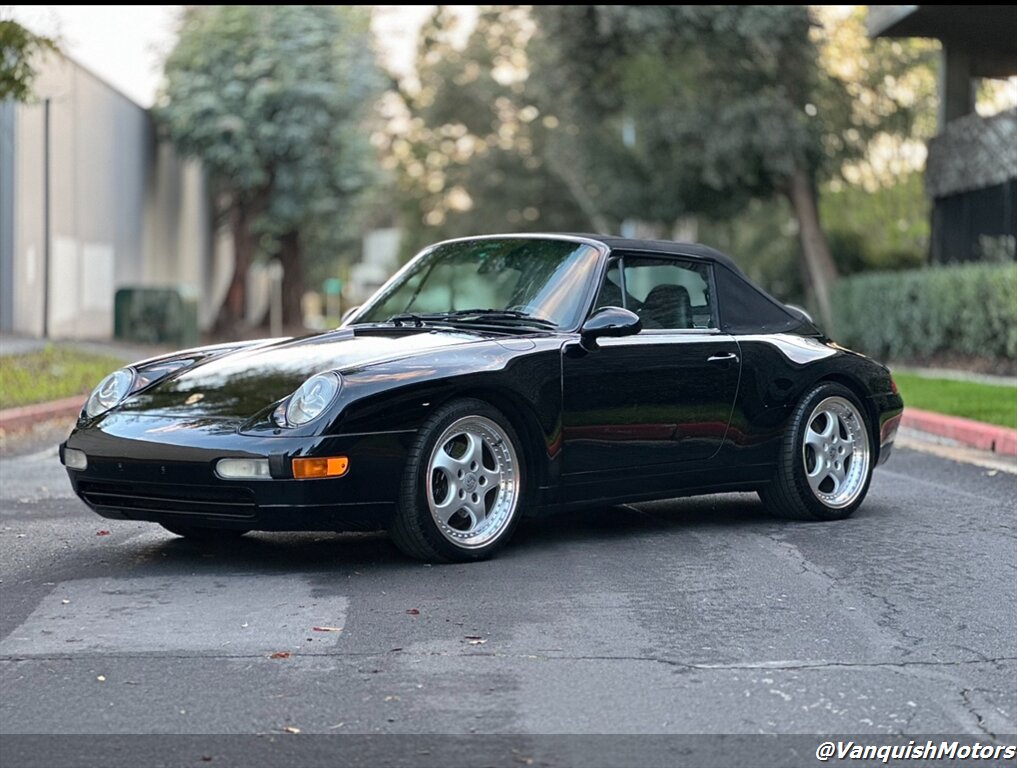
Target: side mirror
pixel 609 321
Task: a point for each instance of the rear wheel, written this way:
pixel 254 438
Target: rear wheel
pixel 463 486
pixel 826 463
pixel 202 533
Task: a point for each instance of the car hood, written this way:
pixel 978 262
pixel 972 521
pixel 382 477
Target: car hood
pixel 243 383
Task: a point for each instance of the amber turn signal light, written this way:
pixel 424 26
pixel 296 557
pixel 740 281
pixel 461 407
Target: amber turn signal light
pixel 334 466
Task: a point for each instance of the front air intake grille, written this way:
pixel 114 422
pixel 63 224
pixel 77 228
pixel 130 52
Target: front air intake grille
pixel 205 500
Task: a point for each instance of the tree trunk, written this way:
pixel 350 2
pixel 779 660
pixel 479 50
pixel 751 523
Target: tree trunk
pixel 819 266
pixel 569 176
pixel 293 280
pixel 232 311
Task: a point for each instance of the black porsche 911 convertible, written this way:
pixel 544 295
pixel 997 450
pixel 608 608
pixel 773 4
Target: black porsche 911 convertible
pixel 495 377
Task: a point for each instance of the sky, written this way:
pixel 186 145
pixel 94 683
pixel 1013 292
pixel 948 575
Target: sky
pixel 124 44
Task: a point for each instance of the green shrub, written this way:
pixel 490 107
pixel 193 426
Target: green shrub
pixel 959 310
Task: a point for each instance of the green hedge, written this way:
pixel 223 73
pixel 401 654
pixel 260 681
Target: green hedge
pixel 969 311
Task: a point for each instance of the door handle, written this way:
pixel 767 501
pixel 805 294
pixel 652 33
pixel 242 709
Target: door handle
pixel 727 357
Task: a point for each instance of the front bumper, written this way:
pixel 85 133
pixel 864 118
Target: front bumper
pixel 145 468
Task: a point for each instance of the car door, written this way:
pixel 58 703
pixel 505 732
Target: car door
pixel 661 397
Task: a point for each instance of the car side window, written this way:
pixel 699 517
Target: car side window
pixel 669 294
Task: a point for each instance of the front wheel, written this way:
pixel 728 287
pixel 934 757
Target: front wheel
pixel 463 486
pixel 825 465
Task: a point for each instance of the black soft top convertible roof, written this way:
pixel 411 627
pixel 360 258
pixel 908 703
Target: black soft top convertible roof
pixel 693 250
pixel 743 307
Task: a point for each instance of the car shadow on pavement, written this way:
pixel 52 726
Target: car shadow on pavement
pixel 323 551
pixel 633 520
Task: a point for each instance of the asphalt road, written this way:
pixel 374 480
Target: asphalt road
pixel 693 616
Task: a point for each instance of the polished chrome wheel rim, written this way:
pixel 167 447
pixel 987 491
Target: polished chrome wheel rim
pixel 836 452
pixel 473 482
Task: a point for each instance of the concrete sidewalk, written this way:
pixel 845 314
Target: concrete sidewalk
pixel 953 374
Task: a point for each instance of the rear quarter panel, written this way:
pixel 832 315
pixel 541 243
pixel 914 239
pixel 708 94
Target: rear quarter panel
pixel 778 370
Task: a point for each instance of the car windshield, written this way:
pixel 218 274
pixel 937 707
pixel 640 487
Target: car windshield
pixel 516 281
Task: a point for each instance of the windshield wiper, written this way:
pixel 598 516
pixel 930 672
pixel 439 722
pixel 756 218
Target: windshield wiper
pixel 503 316
pixel 407 317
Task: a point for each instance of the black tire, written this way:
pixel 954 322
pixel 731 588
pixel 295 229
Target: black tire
pixel 417 530
pixel 805 487
pixel 202 533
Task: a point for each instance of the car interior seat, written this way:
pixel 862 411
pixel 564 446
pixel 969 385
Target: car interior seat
pixel 668 306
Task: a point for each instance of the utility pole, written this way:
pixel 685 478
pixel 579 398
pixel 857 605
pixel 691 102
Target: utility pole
pixel 46 237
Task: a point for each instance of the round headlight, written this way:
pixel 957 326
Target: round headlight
pixel 311 399
pixel 110 392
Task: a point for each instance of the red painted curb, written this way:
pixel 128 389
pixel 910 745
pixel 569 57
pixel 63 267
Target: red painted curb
pixel 28 415
pixel 974 434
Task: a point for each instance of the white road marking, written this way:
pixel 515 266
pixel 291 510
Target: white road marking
pixel 35 477
pixel 217 615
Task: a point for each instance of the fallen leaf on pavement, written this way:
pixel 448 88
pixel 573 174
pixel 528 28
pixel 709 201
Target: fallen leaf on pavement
pixel 102 533
pixel 291 729
pixel 280 655
pixel 414 611
pixel 327 629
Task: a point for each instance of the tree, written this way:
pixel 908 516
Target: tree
pixel 874 207
pixel 19 49
pixel 272 100
pixel 722 103
pixel 465 140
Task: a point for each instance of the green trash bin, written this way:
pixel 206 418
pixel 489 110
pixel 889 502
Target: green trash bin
pixel 166 316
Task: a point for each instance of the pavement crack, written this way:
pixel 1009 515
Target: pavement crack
pixel 790 666
pixel 793 666
pixel 966 697
pixel 785 665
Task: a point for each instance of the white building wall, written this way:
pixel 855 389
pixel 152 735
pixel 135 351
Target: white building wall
pixel 124 209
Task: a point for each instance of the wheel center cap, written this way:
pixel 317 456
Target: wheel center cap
pixel 470 483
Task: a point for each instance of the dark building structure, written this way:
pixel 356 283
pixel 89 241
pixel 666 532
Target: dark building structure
pixel 971 171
